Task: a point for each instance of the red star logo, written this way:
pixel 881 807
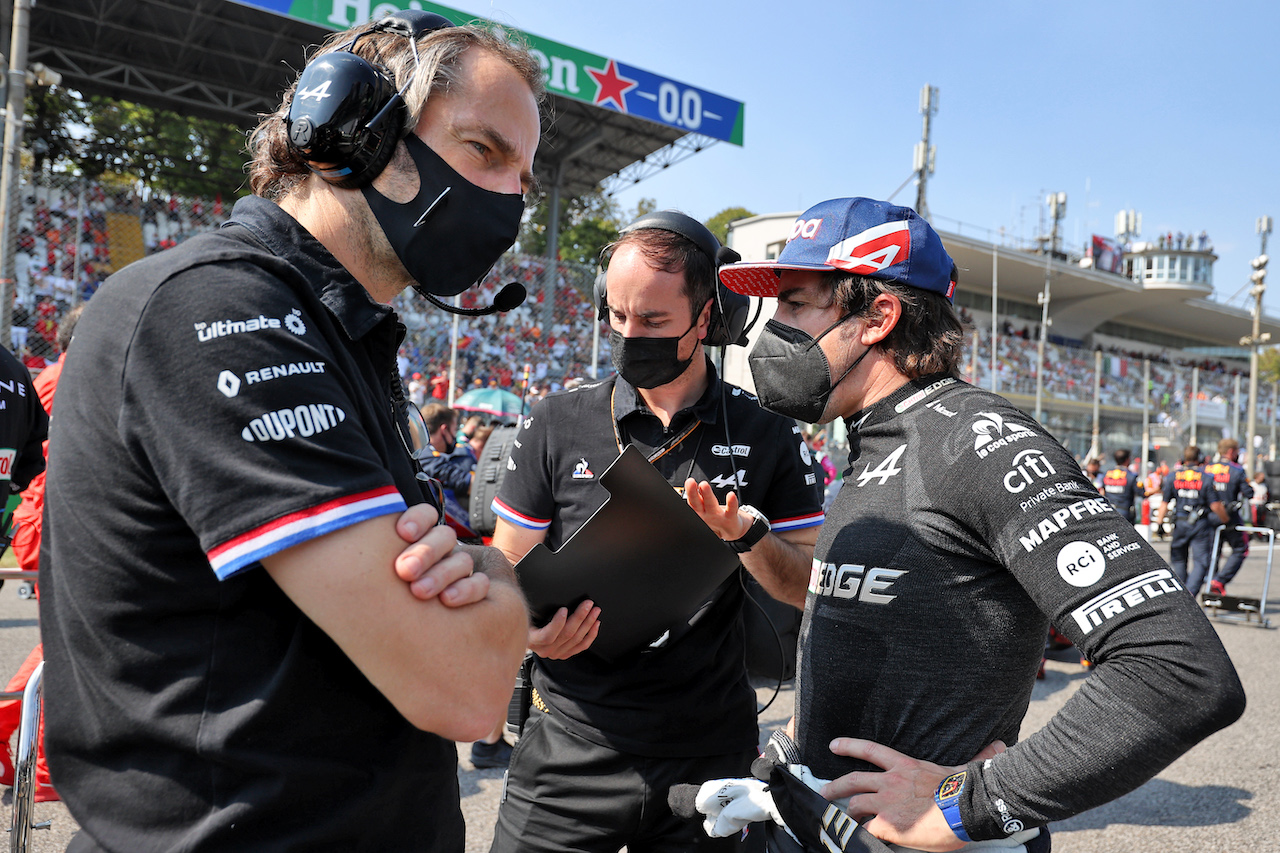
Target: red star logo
pixel 613 86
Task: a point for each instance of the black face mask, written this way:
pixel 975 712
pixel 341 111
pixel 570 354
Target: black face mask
pixel 452 232
pixel 649 362
pixel 791 372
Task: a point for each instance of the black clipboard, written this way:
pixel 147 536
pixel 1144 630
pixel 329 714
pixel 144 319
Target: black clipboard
pixel 645 558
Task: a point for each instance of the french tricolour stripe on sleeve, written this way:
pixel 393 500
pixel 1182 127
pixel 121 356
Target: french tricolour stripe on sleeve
pixel 297 527
pixel 798 523
pixel 519 519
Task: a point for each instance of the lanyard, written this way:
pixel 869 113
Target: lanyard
pixel 666 447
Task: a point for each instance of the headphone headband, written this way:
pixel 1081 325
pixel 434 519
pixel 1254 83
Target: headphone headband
pixel 728 309
pixel 686 226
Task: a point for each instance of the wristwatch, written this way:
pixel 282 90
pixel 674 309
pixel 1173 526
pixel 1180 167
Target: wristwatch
pixel 759 527
pixel 948 799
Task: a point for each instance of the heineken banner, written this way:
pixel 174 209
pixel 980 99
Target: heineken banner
pixel 571 73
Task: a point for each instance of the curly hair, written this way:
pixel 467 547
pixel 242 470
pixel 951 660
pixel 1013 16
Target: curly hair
pixel 928 338
pixel 276 170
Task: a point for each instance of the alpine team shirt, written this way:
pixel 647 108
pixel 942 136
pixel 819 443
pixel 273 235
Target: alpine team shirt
pixel 962 529
pixel 225 400
pixel 691 695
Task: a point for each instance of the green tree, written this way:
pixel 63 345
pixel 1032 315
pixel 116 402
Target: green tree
pixel 51 112
pixel 101 137
pixel 164 150
pixel 1269 364
pixel 588 223
pixel 719 224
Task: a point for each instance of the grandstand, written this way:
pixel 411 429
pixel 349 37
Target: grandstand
pixel 1191 341
pixel 1103 326
pixel 73 233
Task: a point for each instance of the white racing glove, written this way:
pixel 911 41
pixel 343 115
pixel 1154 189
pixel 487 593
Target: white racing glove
pixel 731 804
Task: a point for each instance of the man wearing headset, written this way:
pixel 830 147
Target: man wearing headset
pixel 963 530
pixel 606 739
pixel 237 659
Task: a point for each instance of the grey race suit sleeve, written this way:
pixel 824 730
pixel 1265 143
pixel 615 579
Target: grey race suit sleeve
pixel 961 526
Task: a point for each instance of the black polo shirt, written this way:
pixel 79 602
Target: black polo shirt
pixel 225 400
pixel 24 425
pixel 691 696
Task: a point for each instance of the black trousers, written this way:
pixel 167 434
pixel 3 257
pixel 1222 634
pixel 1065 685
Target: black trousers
pixel 565 794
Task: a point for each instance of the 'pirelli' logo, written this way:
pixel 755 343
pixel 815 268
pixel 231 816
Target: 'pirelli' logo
pixel 1124 597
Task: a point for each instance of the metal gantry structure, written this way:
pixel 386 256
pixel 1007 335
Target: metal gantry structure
pixel 230 60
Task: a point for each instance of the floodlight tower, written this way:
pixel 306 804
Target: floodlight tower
pixel 925 152
pixel 1058 209
pixel 1259 279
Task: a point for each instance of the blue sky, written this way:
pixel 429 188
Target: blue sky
pixel 1169 108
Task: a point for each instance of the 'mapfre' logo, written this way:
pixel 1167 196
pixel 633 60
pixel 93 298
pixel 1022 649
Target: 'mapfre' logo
pixel 873 249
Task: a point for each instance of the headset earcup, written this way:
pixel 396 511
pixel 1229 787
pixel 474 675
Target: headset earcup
pixel 737 309
pixel 370 159
pixel 337 97
pixel 726 328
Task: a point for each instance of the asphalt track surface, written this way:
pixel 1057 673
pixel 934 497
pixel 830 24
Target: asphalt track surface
pixel 1224 795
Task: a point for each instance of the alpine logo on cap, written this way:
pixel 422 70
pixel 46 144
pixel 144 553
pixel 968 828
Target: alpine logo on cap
pixel 872 250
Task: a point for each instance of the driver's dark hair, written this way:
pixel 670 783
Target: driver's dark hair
pixel 928 338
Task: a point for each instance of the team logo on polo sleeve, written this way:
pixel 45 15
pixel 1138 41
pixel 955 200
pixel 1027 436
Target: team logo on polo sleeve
pixel 304 421
pixel 228 383
pixel 293 322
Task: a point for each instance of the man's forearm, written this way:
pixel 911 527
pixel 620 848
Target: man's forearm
pixel 782 566
pixel 447 670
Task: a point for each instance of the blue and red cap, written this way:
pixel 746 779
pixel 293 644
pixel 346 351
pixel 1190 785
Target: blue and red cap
pixel 854 235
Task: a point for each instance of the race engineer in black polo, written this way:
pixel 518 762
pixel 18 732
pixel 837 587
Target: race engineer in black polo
pixel 1196 499
pixel 1120 486
pixel 607 739
pixel 1232 485
pixel 946 555
pixel 235 658
pixel 24 425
